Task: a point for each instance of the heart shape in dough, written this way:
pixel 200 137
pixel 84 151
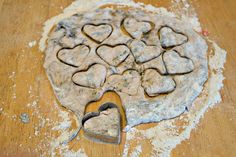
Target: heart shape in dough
pixel 74 56
pixel 155 84
pixel 176 64
pixel 104 125
pixel 170 38
pixel 94 77
pixel 128 82
pixel 113 55
pixel 135 28
pixel 143 53
pixel 97 32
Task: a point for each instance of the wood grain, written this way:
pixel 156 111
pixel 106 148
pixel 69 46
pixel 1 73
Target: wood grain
pixel 23 81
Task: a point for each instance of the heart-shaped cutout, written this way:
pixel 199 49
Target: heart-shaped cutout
pixel 176 64
pixel 143 53
pixel 155 84
pixel 74 56
pixel 170 38
pixel 113 55
pixel 94 77
pixel 136 28
pixel 97 32
pixel 104 125
pixel 128 82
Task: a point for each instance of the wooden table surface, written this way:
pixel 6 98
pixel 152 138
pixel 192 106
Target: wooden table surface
pixel 23 81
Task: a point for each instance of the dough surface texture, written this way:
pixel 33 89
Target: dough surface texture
pixel 157 64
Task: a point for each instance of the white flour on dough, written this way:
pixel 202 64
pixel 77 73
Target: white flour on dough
pixel 166 135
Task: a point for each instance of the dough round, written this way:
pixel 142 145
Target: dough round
pixel 157 64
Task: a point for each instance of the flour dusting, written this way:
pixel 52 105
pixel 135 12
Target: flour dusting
pixel 166 135
pixel 137 151
pixel 66 132
pixel 69 153
pixel 65 124
pixel 85 5
pixel 32 43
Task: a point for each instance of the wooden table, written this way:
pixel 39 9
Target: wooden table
pixel 23 81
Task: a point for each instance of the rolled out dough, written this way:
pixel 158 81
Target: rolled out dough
pixel 91 53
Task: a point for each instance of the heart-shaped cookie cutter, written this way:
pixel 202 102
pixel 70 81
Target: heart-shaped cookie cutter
pixel 99 137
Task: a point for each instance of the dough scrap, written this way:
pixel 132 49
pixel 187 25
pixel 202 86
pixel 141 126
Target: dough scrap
pixel 127 83
pixel 156 63
pixel 152 38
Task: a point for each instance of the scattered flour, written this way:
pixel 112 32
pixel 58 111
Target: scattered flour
pixel 32 43
pixel 65 124
pixel 68 153
pixel 137 151
pixel 12 77
pixel 167 134
pixel 66 134
pixel 186 12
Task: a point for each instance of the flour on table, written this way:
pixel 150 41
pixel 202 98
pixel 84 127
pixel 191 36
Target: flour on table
pixel 184 46
pixel 137 151
pixel 107 67
pixel 167 134
pixel 32 43
pixel 65 124
pixel 69 153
